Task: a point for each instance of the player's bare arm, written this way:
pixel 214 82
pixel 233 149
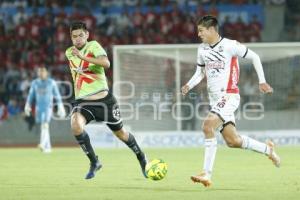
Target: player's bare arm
pixel 185 89
pixel 100 60
pixel 265 88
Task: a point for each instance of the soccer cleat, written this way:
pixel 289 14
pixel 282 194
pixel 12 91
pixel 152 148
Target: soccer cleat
pixel 47 150
pixel 202 178
pixel 273 156
pixel 39 146
pixel 94 167
pixel 43 149
pixel 143 162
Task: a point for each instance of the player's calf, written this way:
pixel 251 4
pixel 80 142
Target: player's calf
pixel 234 142
pixel 133 145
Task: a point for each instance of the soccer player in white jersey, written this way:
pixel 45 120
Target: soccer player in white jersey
pixel 43 91
pixel 217 59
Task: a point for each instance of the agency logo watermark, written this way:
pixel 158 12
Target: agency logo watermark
pixel 158 106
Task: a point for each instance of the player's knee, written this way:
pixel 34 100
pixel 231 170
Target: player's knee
pixel 230 144
pixel 207 128
pixel 77 128
pixel 234 142
pixel 121 134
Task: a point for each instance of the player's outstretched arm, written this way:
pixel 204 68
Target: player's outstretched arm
pixel 30 97
pixel 100 60
pixel 61 112
pixel 196 78
pixel 27 109
pixel 60 106
pixel 185 89
pixel 264 87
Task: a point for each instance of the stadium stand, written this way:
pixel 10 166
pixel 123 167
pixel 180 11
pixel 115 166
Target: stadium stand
pixel 35 32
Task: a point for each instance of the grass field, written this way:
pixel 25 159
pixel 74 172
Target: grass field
pixel 29 174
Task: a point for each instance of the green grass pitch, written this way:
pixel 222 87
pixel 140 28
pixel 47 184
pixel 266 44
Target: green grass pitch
pixel 26 173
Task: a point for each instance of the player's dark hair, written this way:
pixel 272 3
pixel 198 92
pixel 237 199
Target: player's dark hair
pixel 78 25
pixel 209 21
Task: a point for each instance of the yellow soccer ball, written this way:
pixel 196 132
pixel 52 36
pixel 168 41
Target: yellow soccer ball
pixel 156 169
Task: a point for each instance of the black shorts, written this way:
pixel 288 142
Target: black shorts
pixel 101 110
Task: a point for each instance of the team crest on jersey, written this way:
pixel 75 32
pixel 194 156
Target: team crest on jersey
pixel 221 48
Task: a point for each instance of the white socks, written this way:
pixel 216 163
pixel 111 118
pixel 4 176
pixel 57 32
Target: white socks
pixel 210 149
pixel 45 143
pixel 254 145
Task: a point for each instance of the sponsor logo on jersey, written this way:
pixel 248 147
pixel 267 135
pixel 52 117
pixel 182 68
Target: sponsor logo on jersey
pixel 215 65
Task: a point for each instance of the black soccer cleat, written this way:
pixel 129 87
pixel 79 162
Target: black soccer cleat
pixel 143 162
pixel 94 167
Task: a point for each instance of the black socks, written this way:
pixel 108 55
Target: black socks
pixel 132 144
pixel 84 141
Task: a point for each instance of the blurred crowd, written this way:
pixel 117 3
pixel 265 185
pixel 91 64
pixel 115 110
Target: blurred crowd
pixel 291 31
pixel 36 33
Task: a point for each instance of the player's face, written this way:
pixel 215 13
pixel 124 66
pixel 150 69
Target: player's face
pixel 42 73
pixel 205 34
pixel 79 38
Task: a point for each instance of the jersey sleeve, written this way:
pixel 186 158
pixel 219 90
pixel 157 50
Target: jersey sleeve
pixel 239 49
pixel 200 61
pixel 96 49
pixel 31 94
pixel 68 53
pixel 56 93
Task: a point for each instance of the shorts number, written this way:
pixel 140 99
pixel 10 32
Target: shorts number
pixel 222 103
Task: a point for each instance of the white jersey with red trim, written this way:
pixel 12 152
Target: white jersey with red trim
pixel 221 65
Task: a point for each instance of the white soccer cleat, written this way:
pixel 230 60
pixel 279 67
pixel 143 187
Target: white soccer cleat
pixel 47 150
pixel 202 178
pixel 40 147
pixel 43 149
pixel 273 156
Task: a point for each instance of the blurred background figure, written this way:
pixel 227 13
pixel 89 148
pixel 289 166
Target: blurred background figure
pixel 42 92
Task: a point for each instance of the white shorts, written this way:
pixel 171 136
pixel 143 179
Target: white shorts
pixel 224 106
